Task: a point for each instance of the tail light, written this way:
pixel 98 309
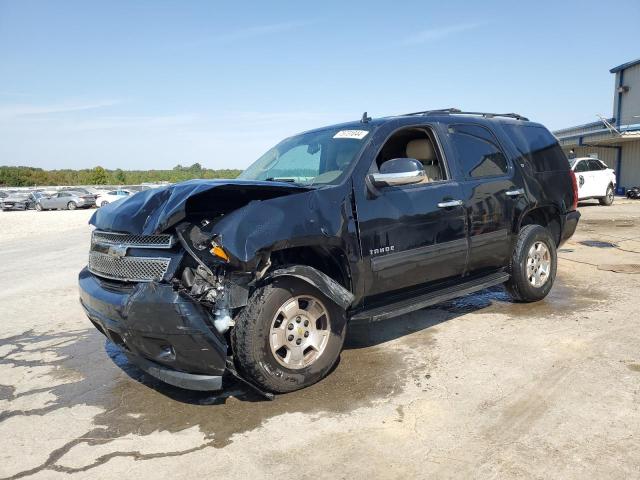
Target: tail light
pixel 574 184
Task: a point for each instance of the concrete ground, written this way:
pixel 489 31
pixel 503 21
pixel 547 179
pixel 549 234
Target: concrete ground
pixel 476 388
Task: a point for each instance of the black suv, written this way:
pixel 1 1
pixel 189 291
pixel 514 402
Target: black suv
pixel 259 277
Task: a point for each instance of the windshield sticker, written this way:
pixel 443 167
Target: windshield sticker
pixel 355 134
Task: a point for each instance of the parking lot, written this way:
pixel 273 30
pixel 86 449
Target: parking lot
pixel 476 387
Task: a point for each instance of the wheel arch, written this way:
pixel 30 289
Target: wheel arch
pixel 325 268
pixel 547 216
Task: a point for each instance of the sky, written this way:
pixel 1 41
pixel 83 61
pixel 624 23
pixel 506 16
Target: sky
pixel 151 84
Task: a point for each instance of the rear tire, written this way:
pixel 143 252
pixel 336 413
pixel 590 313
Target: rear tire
pixel 608 198
pixel 256 335
pixel 72 205
pixel 533 265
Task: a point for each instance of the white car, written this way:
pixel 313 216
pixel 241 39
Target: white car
pixel 595 179
pixel 105 198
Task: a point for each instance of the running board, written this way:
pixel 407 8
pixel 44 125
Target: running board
pixel 423 301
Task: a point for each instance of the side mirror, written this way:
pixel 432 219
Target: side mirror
pixel 398 171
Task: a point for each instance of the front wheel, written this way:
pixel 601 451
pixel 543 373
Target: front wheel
pixel 533 264
pixel 38 207
pixel 608 198
pixel 103 203
pixel 288 336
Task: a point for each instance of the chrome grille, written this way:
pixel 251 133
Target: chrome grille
pixel 128 269
pixel 135 241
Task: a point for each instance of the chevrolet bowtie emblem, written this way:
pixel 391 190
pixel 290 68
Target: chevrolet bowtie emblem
pixel 117 251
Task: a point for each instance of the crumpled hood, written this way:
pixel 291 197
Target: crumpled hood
pixel 155 210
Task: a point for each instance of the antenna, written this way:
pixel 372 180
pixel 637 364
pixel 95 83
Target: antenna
pixel 609 126
pixel 364 118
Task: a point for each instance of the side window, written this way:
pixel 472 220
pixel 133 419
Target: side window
pixel 595 165
pixel 477 151
pixel 419 144
pixel 582 166
pixel 537 147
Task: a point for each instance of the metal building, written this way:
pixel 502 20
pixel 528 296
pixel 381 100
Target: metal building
pixel 615 140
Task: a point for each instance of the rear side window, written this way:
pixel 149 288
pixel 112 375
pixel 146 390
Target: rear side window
pixel 582 166
pixel 595 165
pixel 477 151
pixel 537 147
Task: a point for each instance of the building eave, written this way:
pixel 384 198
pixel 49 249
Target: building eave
pixel 624 66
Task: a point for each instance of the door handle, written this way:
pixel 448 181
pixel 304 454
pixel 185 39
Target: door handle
pixel 450 203
pixel 515 193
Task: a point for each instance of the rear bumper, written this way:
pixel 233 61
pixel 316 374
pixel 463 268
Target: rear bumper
pixel 160 330
pixel 16 206
pixel 569 225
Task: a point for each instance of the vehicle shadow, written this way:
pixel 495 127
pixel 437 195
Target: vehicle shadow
pixel 364 335
pixel 359 336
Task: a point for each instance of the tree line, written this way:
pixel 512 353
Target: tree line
pixel 32 177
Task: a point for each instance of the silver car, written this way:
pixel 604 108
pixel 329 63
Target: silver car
pixel 15 201
pixel 68 200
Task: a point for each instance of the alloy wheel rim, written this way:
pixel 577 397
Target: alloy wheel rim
pixel 299 332
pixel 538 264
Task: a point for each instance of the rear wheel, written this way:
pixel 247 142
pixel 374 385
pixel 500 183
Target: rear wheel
pixel 288 336
pixel 71 205
pixel 38 207
pixel 533 264
pixel 608 198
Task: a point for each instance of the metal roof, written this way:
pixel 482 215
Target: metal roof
pixel 624 66
pixel 583 126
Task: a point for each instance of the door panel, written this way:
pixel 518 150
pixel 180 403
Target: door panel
pixel 490 194
pixel 599 178
pixel 583 178
pixel 491 212
pixel 58 201
pixel 409 240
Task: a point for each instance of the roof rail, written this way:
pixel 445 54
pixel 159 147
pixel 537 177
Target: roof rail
pixel 455 111
pixel 443 111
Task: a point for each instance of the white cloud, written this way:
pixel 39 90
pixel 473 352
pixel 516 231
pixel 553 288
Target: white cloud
pixel 425 36
pixel 258 31
pixel 246 33
pixel 130 122
pixel 20 110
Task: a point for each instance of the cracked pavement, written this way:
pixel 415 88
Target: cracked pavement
pixel 478 387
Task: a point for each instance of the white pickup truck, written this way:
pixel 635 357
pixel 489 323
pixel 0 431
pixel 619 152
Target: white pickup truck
pixel 595 179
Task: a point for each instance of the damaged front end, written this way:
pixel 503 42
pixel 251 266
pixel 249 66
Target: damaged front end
pixel 162 288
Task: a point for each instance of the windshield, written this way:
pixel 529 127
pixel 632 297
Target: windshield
pixel 318 157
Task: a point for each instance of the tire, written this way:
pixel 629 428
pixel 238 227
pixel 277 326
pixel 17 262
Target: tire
pixel 39 207
pixel 72 205
pixel 103 203
pixel 522 286
pixel 608 198
pixel 255 331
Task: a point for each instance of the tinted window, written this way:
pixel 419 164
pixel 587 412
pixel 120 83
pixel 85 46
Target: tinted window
pixel 595 165
pixel 582 166
pixel 477 151
pixel 537 148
